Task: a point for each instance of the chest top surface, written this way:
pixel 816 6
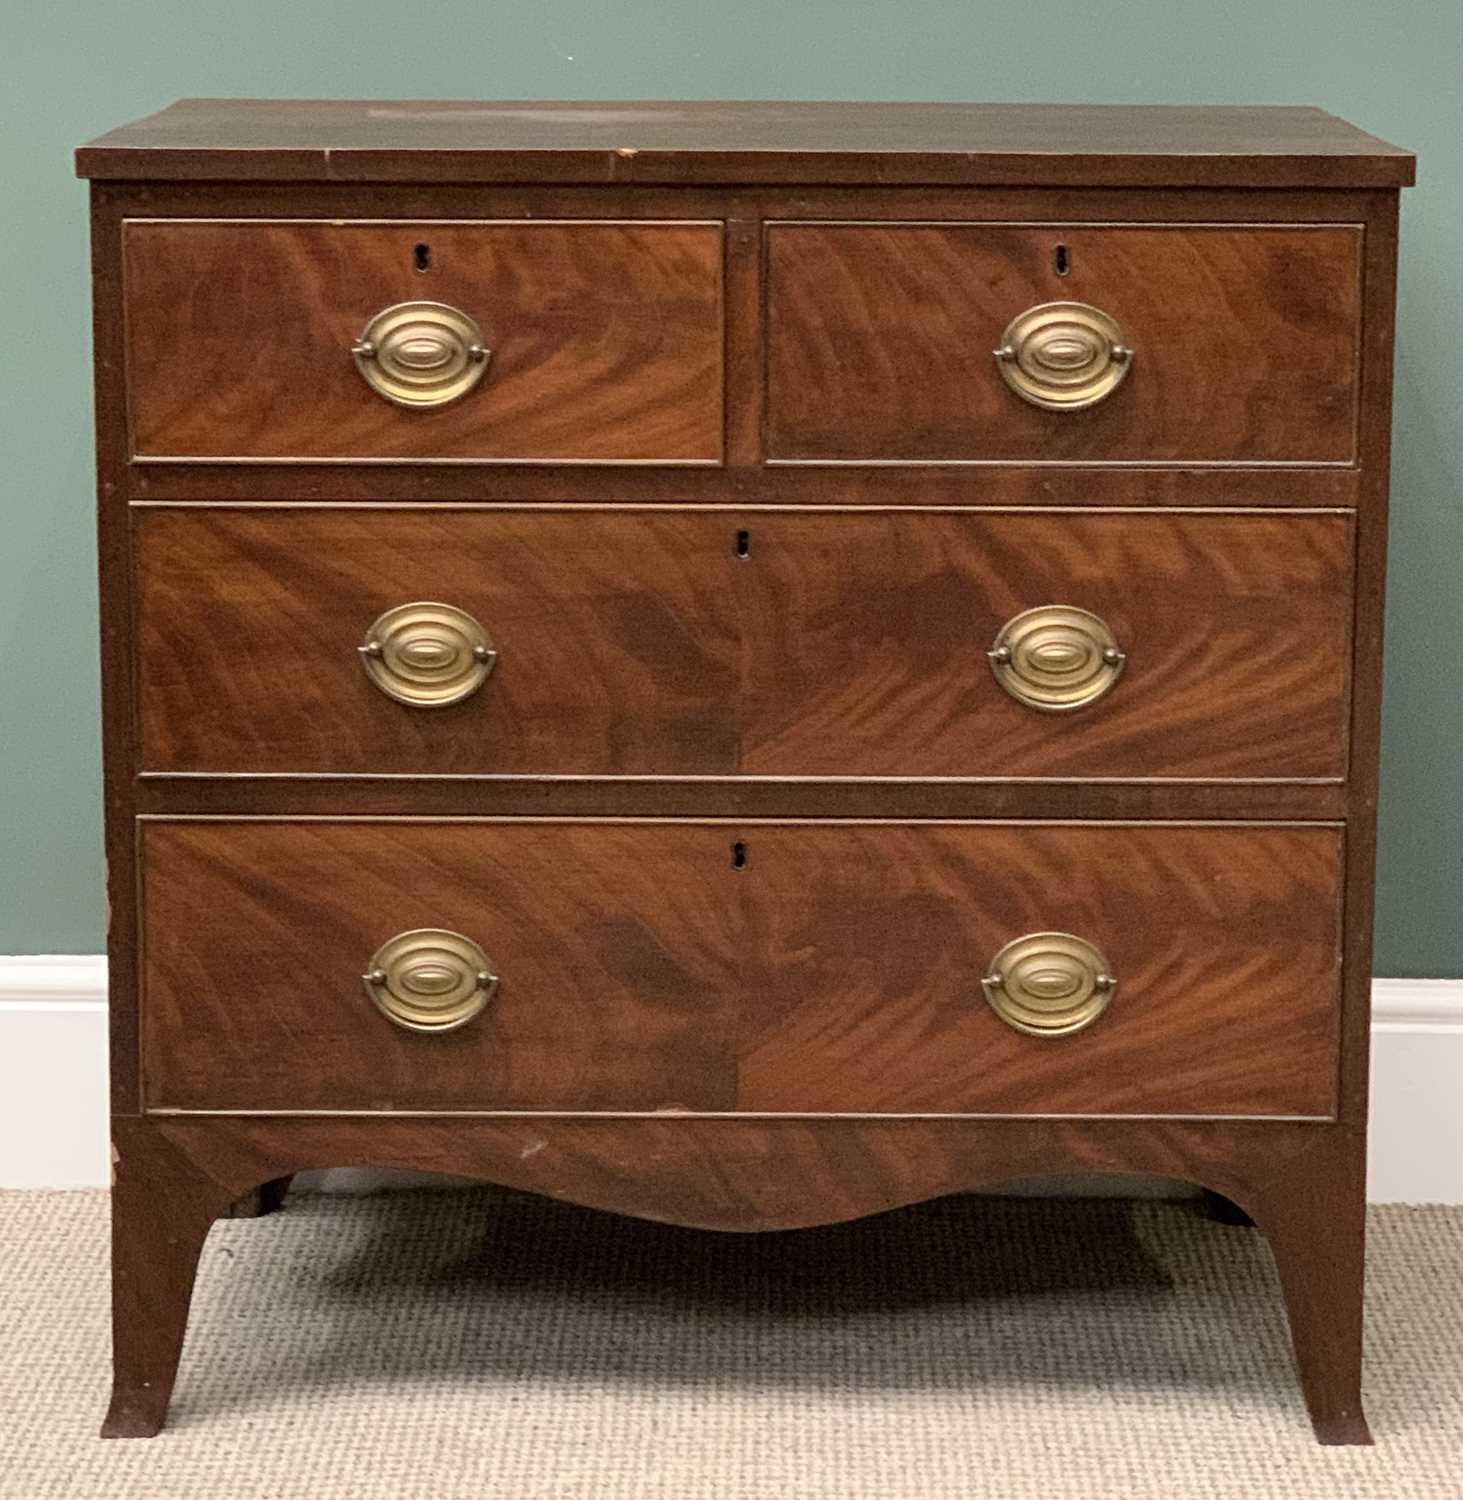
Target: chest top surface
pixel 711 142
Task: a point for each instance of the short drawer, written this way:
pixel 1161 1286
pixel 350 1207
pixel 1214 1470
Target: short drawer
pixel 877 946
pixel 552 341
pixel 1182 343
pixel 608 966
pixel 611 951
pixel 977 644
pixel 848 643
pixel 613 641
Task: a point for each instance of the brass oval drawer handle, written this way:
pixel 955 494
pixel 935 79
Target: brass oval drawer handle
pixel 1056 658
pixel 1049 984
pixel 1064 355
pixel 421 354
pixel 430 980
pixel 427 655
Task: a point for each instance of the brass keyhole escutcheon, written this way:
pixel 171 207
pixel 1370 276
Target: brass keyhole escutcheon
pixel 421 354
pixel 427 655
pixel 1064 356
pixel 1056 658
pixel 1049 984
pixel 430 979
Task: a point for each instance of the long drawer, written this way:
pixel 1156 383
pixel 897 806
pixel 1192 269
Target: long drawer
pixel 537 341
pixel 856 643
pixel 799 968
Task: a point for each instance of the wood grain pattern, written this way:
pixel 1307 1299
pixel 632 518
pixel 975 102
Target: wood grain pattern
pixel 838 972
pixel 846 644
pixel 866 645
pixel 616 636
pixel 1301 1183
pixel 871 941
pixel 616 947
pixel 441 141
pixel 606 339
pixel 880 340
pixel 263 480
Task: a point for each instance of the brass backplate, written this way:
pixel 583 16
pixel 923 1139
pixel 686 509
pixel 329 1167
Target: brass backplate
pixel 428 655
pixel 1049 984
pixel 430 979
pixel 421 354
pixel 1064 355
pixel 1056 658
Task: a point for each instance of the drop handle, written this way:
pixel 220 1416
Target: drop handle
pixel 421 354
pixel 1049 984
pixel 374 648
pixel 1099 981
pixel 1064 356
pixel 366 349
pixel 430 979
pixel 427 654
pixel 1111 656
pixel 1118 353
pixel 1056 658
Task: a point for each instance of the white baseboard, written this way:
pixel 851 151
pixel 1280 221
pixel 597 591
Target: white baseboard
pixel 53 1083
pixel 1415 1133
pixel 53 1071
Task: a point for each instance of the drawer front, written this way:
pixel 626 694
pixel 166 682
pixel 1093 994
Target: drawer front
pixel 873 942
pixel 603 340
pixel 881 343
pixel 614 949
pixel 615 641
pixel 873 633
pixel 849 644
pixel 840 969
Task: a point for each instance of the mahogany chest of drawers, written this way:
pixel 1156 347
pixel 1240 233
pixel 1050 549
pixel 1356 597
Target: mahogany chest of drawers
pixel 745 664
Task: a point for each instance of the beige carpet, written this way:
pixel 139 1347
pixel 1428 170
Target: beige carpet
pixel 435 1345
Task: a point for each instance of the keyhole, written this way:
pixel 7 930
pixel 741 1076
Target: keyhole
pixel 739 856
pixel 744 544
pixel 421 257
pixel 1063 260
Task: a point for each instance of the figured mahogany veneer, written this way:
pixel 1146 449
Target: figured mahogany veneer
pixel 742 815
pixel 870 635
pixel 879 341
pixel 837 971
pixel 871 943
pixel 605 339
pixel 616 638
pixel 645 643
pixel 616 946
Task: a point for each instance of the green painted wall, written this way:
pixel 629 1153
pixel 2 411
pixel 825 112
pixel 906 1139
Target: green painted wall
pixel 69 70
